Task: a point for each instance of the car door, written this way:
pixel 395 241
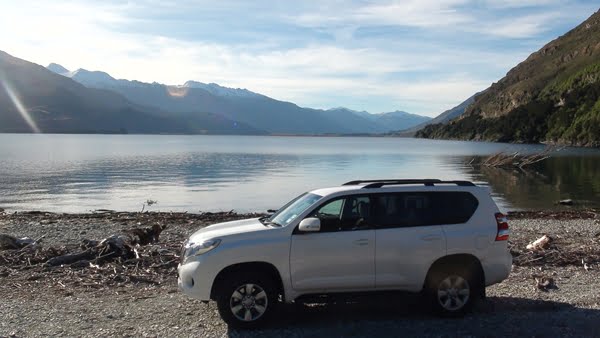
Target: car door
pixel 341 256
pixel 408 240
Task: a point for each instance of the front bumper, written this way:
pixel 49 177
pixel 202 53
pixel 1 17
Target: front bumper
pixel 195 282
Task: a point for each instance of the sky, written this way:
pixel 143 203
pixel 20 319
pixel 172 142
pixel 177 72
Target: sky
pixel 420 56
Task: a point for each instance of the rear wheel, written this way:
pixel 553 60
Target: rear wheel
pixel 247 303
pixel 452 291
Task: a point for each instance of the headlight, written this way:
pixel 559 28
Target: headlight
pixel 196 249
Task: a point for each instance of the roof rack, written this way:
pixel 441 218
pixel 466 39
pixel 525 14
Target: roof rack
pixel 428 182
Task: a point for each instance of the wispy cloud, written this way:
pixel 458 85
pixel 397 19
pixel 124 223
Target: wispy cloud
pixel 411 13
pixel 522 27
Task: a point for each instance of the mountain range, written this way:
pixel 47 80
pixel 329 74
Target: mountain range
pixel 259 111
pixel 59 100
pixel 551 97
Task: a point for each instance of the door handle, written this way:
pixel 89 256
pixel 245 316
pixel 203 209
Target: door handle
pixel 362 241
pixel 430 238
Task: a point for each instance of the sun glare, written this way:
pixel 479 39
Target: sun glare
pixel 176 91
pixel 19 105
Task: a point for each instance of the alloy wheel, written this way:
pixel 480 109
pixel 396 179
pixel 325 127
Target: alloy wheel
pixel 453 293
pixel 248 302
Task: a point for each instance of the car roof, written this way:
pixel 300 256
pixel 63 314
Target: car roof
pixel 362 188
pixel 333 190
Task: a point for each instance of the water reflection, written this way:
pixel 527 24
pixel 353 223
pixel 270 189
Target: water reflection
pixel 545 183
pixel 74 173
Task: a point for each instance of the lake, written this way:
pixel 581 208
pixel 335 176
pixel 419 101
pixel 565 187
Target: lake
pixel 82 173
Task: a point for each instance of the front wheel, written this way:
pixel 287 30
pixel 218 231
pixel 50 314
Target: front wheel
pixel 453 292
pixel 248 303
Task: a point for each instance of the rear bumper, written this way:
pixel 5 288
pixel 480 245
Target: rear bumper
pixel 194 282
pixel 497 269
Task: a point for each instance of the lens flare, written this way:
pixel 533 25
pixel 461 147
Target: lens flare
pixel 19 105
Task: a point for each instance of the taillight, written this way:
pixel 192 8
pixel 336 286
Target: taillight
pixel 503 231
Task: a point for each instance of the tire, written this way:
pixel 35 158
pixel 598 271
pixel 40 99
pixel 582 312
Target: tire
pixel 247 302
pixel 453 290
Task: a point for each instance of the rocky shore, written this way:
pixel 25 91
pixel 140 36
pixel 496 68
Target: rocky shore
pixel 552 291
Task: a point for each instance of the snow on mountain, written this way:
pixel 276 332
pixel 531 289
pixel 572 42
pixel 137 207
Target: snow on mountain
pixel 92 79
pixel 98 79
pixel 58 69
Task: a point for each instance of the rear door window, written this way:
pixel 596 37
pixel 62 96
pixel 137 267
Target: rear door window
pixel 422 208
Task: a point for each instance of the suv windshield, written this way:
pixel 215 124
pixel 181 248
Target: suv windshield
pixel 290 211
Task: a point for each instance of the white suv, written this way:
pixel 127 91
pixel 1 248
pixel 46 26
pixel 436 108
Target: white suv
pixel 446 239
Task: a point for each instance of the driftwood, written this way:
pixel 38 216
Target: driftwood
pixel 10 242
pixel 116 246
pixel 69 258
pixel 555 253
pixel 135 257
pixel 145 236
pixel 515 159
pixel 540 243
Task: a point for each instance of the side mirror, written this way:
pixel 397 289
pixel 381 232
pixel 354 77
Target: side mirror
pixel 310 225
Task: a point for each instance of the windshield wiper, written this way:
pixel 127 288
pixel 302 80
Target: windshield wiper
pixel 265 220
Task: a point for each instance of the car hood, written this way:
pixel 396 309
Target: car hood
pixel 228 228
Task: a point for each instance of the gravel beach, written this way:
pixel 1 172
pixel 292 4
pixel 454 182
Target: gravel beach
pixel 37 301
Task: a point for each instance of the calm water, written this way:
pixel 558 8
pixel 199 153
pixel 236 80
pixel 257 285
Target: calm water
pixel 79 173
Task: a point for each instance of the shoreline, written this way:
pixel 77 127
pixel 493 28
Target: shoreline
pixel 575 240
pixel 397 134
pixel 558 212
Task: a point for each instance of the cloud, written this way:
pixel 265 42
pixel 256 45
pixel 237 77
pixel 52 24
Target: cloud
pixel 518 19
pixel 504 4
pixel 411 13
pixel 522 27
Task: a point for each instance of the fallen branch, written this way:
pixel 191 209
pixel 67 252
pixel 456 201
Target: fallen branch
pixel 515 159
pixel 70 258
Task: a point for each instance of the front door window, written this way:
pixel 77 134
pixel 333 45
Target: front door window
pixel 345 214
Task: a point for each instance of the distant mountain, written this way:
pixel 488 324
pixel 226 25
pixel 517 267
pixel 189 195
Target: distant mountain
pixel 92 79
pixel 398 120
pixel 253 109
pixel 443 118
pixel 383 122
pixel 553 96
pixel 348 119
pixel 32 97
pixel 455 112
